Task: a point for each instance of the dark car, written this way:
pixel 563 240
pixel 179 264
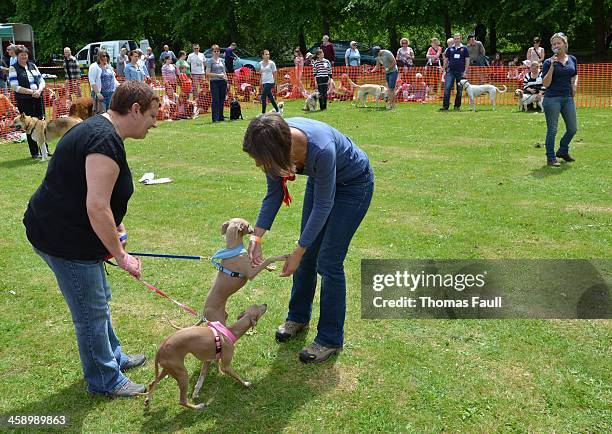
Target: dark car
pixel 340 48
pixel 243 58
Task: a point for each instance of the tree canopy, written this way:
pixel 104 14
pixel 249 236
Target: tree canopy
pixel 280 26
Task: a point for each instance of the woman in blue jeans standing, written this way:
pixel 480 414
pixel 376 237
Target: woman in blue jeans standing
pixel 338 194
pixel 215 71
pixel 102 80
pixel 560 78
pixel 267 68
pixel 74 219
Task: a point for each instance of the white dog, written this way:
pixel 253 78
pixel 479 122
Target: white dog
pixel 379 92
pixel 526 99
pixel 281 108
pixel 475 90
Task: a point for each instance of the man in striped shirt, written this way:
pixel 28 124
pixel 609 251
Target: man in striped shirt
pixel 322 70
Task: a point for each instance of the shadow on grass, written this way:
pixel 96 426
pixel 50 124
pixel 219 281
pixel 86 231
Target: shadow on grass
pixel 269 405
pixel 72 401
pixel 11 164
pixel 546 171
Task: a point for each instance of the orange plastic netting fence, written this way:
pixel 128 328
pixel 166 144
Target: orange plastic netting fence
pixel 187 97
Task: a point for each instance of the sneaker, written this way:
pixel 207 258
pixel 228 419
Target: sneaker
pixel 316 353
pixel 134 361
pixel 443 109
pixel 128 390
pixel 553 163
pixel 566 157
pixel 289 330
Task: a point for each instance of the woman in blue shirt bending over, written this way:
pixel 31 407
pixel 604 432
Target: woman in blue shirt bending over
pixel 337 197
pixel 560 74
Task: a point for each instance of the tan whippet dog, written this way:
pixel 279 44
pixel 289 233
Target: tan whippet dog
pixel 214 341
pixel 234 267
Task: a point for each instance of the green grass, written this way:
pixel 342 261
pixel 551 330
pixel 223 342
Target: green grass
pixel 448 185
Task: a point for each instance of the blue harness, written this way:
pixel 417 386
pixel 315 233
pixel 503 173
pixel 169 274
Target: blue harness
pixel 226 254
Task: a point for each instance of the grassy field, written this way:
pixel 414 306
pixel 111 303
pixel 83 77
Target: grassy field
pixel 448 185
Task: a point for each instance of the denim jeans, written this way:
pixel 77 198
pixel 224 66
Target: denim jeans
pixel 107 98
pixel 322 87
pixel 452 77
pixel 218 89
pixel 326 257
pixel 266 93
pixel 554 105
pixel 391 78
pixel 86 291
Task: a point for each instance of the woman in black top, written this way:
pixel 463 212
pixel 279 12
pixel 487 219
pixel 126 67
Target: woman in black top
pixel 28 85
pixel 74 220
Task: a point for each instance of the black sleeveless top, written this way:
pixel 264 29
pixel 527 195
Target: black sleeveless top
pixel 56 219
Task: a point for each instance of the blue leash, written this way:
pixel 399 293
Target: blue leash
pixel 160 255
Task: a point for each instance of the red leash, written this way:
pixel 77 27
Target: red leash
pixel 163 294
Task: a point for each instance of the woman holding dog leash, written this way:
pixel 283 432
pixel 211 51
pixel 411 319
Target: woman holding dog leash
pixel 28 85
pixel 338 194
pixel 560 74
pixel 74 220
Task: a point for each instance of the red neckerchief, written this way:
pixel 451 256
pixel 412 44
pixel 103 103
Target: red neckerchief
pixel 286 196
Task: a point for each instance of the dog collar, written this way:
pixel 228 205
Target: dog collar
pixel 218 326
pixel 226 254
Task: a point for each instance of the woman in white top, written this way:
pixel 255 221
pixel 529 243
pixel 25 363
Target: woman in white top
pixel 536 53
pixel 267 68
pixel 102 80
pixel 405 54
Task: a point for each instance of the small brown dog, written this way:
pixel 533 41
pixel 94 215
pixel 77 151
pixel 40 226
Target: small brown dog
pixel 234 271
pixel 211 342
pixel 43 131
pixel 81 108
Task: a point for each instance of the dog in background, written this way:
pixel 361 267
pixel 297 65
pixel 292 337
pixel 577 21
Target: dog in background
pixel 235 110
pixel 81 108
pixel 474 91
pixel 527 99
pixel 281 108
pixel 378 91
pixel 310 105
pixel 42 131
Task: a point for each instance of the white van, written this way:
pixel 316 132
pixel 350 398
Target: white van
pixel 87 55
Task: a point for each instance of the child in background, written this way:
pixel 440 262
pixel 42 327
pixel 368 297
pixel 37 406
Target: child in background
pixel 184 80
pixel 169 106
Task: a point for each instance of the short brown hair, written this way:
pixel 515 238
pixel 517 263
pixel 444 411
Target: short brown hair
pixel 21 49
pixel 131 92
pixel 536 40
pixel 268 141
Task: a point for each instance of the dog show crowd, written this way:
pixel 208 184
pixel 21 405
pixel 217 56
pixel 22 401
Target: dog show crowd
pixel 74 220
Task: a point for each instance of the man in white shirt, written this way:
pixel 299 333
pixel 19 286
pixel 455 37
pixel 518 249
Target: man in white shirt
pixel 197 63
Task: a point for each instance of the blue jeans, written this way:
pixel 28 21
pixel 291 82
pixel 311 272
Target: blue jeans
pixel 452 77
pixel 218 89
pixel 86 291
pixel 107 98
pixel 266 93
pixel 554 105
pixel 326 257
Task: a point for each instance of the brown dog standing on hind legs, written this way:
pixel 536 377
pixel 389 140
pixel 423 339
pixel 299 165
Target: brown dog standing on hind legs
pixel 213 342
pixel 234 267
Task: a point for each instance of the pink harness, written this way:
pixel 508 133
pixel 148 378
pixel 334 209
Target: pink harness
pixel 217 328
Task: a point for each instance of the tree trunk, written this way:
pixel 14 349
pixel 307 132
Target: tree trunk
pixel 599 26
pixel 393 38
pixel 492 37
pixel 447 28
pixel 302 41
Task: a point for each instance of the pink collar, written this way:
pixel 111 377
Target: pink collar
pixel 216 325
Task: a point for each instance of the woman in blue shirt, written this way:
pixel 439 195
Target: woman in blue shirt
pixel 560 74
pixel 337 197
pixel 352 59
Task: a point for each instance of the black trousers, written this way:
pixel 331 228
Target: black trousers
pixel 322 85
pixel 32 107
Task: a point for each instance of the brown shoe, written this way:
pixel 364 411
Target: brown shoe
pixel 289 330
pixel 566 157
pixel 316 353
pixel 553 163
